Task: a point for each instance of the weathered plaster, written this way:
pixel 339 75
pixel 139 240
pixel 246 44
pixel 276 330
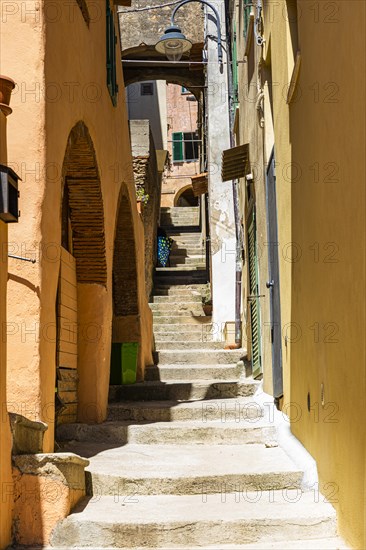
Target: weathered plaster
pixel 222 226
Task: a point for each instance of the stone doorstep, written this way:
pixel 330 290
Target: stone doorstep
pixel 170 433
pixel 172 521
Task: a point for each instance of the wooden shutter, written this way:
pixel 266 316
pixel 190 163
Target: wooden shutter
pixel 254 301
pixel 178 146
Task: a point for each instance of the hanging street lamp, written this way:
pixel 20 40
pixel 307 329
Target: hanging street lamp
pixel 173 44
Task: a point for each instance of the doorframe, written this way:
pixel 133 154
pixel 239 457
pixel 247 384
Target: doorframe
pixel 276 337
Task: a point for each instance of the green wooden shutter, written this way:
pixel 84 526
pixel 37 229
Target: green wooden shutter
pixel 178 146
pixel 254 302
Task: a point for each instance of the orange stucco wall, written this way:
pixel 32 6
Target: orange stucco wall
pixel 5 439
pixel 69 79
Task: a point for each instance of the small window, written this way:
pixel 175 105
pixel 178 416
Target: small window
pixel 111 55
pixel 147 88
pixel 185 146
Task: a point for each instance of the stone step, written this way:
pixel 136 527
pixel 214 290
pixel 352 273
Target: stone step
pixel 181 277
pixel 203 330
pixel 171 433
pixel 196 264
pixel 184 260
pixel 178 390
pixel 224 410
pixel 176 289
pixel 185 469
pixel 178 269
pixel 183 320
pixel 172 230
pixel 184 250
pixel 195 310
pixel 179 290
pixel 194 372
pixel 127 521
pixel 162 345
pixel 174 306
pixel 194 237
pixel 179 209
pixel 193 339
pixel 170 223
pixel 177 299
pixel 179 216
pixel 199 357
pixel 329 543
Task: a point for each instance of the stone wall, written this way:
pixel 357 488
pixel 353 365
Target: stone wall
pixel 146 27
pixel 148 179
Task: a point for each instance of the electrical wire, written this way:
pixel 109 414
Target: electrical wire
pixel 135 10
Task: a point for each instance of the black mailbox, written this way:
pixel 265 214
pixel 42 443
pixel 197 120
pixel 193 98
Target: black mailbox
pixel 9 194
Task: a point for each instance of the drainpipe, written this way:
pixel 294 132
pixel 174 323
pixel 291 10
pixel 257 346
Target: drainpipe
pixel 238 259
pixel 258 38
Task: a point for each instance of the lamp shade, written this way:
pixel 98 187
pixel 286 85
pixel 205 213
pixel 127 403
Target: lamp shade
pixel 173 44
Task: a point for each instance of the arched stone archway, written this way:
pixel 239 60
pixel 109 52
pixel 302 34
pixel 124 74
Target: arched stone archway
pixel 185 197
pixel 126 325
pixel 82 298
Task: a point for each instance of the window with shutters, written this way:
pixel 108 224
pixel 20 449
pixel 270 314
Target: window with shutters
pixel 185 146
pixel 111 55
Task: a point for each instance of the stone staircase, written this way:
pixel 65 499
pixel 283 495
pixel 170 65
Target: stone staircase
pixel 189 458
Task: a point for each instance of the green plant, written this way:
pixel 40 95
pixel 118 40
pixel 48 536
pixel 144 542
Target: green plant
pixel 141 195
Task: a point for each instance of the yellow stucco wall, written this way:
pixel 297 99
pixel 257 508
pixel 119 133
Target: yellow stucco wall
pixel 5 439
pixel 69 79
pixel 319 144
pixel 250 131
pixel 327 133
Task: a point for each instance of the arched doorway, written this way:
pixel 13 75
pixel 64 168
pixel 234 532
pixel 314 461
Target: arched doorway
pixel 82 295
pixel 185 197
pixel 126 326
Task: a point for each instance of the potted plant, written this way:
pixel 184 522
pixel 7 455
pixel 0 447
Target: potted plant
pixel 7 85
pixel 142 198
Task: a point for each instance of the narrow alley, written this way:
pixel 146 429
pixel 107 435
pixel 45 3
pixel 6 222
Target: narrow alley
pixel 182 274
